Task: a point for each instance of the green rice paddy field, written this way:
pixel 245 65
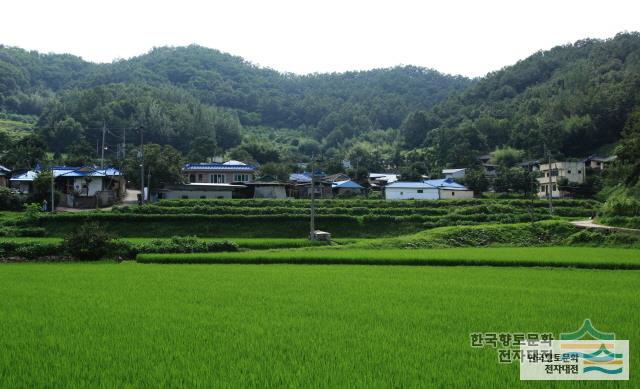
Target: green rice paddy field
pixel 133 325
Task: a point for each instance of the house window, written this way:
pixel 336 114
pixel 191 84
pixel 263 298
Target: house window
pixel 185 196
pixel 420 191
pixel 203 197
pixel 401 193
pixel 242 177
pixel 216 178
pixel 199 177
pixel 192 178
pixel 579 171
pixel 453 194
pixel 555 188
pixel 569 171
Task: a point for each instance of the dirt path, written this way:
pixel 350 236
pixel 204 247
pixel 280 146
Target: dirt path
pixel 590 224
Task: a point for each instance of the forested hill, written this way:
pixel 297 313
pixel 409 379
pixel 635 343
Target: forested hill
pixel 30 83
pixel 573 98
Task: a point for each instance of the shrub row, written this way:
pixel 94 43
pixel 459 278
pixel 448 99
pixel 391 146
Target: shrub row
pixel 350 211
pixel 259 203
pixel 621 221
pixel 114 249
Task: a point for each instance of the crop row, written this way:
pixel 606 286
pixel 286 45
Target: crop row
pixel 351 211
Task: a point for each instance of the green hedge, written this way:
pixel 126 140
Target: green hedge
pixel 117 249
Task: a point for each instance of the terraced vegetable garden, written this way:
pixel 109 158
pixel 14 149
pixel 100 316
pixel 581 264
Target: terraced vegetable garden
pixel 289 218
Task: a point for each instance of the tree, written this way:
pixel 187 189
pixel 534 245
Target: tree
pixel 26 153
pixel 202 148
pixel 475 180
pixel 63 135
pixel 515 180
pixel 163 163
pixel 629 149
pixel 507 156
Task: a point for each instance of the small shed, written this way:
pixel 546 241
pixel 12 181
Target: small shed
pixel 269 188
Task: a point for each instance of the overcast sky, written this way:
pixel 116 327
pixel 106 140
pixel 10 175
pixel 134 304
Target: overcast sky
pixel 458 37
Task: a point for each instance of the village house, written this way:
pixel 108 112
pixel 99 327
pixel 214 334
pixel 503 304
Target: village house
pixel 5 175
pixel 598 163
pixel 268 187
pixel 346 188
pixel 550 175
pixel 449 189
pixel 81 187
pixel 380 180
pixel 410 191
pixel 300 186
pixel 219 173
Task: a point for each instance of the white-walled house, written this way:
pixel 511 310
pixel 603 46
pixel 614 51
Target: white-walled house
pixel 410 191
pixel 573 171
pixel 449 189
pixel 81 187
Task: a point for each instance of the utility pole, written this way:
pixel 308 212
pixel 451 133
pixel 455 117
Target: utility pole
pixel 141 165
pixel 550 188
pixel 104 129
pixel 52 190
pixel 124 143
pixel 312 225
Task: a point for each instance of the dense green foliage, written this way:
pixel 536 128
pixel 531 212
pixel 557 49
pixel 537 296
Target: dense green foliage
pixel 296 326
pixel 573 98
pixel 88 242
pixel 9 201
pixel 179 94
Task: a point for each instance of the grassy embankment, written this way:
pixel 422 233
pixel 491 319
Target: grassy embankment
pixel 289 218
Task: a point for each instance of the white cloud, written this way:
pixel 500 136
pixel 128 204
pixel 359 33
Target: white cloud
pixel 462 37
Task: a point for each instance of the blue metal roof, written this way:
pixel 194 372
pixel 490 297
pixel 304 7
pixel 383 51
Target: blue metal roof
pixel 67 171
pixel 347 184
pixel 218 167
pixel 447 183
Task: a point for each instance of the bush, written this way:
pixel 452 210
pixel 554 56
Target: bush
pixel 602 238
pixel 29 250
pixel 10 201
pixel 621 203
pixel 88 242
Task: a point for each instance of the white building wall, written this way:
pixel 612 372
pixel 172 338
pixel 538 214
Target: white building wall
pixel 410 194
pixel 452 194
pixel 197 194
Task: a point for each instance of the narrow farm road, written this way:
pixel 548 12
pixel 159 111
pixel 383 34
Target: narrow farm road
pixel 590 224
